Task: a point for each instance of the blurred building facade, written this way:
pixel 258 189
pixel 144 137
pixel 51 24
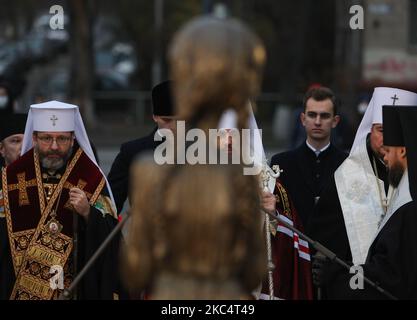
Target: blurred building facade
pixel 390 44
pixel 307 41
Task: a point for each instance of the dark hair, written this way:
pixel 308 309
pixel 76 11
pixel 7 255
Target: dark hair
pixel 320 94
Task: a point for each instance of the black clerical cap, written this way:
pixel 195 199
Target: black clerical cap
pixel 400 129
pixel 162 104
pixel 393 133
pixel 11 124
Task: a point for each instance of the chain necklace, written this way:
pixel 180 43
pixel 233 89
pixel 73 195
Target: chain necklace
pixel 53 226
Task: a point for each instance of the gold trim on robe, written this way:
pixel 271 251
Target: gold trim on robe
pixel 35 250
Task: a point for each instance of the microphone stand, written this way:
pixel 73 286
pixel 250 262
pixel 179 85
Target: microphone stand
pixel 67 293
pixel 329 254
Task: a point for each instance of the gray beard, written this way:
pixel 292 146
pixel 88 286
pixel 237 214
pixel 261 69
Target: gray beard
pixel 52 164
pixel 55 164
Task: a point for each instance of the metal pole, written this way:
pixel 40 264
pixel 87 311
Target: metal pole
pixel 75 249
pixel 67 293
pixel 329 254
pixel 270 262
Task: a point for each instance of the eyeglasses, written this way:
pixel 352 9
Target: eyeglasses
pixel 60 140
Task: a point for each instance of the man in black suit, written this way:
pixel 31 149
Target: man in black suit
pixel 163 116
pixel 307 169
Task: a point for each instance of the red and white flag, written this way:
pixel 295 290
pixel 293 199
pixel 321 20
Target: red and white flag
pixel 290 254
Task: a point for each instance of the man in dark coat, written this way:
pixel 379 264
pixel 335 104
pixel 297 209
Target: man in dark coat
pixel 163 116
pixel 307 169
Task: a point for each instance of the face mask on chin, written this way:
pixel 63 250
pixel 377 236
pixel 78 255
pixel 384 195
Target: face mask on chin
pixel 3 101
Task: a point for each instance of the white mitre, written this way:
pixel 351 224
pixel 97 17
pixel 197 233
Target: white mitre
pixel 382 96
pixel 56 116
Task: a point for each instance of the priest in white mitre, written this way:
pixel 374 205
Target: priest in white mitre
pixel 58 209
pixel 354 204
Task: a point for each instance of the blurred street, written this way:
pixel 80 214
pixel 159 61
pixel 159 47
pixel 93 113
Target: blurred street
pixel 105 57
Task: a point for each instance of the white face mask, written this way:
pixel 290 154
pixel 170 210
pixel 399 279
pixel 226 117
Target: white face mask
pixel 3 101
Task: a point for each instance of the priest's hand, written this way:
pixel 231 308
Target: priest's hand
pixel 79 201
pixel 268 202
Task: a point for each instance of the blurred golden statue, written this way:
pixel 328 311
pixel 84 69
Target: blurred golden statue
pixel 196 229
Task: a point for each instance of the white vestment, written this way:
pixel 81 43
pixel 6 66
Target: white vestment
pixel 361 200
pixel 400 197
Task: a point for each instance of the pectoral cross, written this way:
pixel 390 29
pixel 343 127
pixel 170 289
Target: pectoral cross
pixel 22 186
pixel 53 119
pixel 394 98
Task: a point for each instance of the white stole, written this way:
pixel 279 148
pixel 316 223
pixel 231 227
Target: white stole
pixel 360 200
pixel 400 197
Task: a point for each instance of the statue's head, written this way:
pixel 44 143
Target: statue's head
pixel 215 64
